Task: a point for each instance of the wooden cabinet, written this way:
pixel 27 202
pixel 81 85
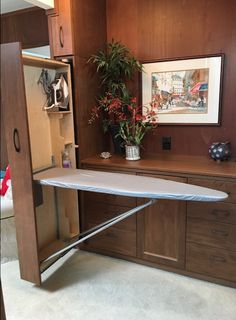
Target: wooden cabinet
pixel 77 29
pixel 211 233
pixel 197 239
pixel 121 238
pixel 60 29
pixel 45 217
pixel 161 231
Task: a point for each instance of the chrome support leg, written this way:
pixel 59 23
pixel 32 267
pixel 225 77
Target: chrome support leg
pixel 101 227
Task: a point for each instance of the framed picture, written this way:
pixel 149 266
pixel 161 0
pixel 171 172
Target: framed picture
pixel 184 91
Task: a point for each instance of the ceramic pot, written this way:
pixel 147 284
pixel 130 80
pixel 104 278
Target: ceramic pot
pixel 220 151
pixel 132 152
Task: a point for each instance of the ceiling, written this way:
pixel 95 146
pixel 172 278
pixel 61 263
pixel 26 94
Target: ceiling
pixel 13 5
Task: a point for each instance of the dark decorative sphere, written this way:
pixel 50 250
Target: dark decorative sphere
pixel 219 151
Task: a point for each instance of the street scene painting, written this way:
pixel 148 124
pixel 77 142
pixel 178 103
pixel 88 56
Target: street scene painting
pixel 181 92
pixel 184 91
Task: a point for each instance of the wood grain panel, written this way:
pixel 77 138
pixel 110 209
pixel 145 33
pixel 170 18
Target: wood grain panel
pixel 211 261
pixel 90 138
pixel 161 231
pixel 97 213
pixel 220 235
pixel 20 160
pixel 61 31
pixel 169 164
pixel 121 14
pixel 90 197
pixel 89 25
pixel 114 240
pixel 216 212
pixel 28 26
pixel 169 29
pixel 2 307
pixel 221 185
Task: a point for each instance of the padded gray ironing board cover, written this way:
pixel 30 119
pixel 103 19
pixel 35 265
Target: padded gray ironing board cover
pixel 126 185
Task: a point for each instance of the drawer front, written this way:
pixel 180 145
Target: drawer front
pixel 165 177
pixel 97 213
pixel 213 234
pixel 211 261
pixel 212 211
pixel 221 185
pixel 114 240
pixel 109 199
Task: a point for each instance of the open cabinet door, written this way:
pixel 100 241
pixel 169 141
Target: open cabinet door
pixel 46 219
pixel 18 146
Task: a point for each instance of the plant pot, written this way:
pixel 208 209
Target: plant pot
pixel 118 142
pixel 132 152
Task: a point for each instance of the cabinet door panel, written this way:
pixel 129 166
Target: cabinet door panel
pixel 18 147
pixel 61 30
pixel 161 232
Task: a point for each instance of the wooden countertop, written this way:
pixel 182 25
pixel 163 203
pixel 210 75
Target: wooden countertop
pixel 165 163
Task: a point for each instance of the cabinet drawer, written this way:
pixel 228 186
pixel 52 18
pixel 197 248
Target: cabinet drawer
pixel 113 199
pixel 213 234
pixel 114 240
pixel 165 177
pixel 212 211
pixel 221 185
pixel 211 261
pixel 96 213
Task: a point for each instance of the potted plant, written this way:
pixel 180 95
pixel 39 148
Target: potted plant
pixel 115 66
pixel 134 126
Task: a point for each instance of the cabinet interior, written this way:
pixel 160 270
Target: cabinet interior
pixel 51 132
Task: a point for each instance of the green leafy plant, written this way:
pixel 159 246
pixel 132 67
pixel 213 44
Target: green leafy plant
pixel 116 105
pixel 115 66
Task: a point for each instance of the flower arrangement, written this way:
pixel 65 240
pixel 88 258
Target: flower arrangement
pixel 133 124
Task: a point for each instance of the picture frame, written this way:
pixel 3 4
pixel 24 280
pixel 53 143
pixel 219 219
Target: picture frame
pixel 184 91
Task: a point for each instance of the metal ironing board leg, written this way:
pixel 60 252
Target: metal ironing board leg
pixel 97 229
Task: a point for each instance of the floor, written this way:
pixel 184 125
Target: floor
pixel 93 287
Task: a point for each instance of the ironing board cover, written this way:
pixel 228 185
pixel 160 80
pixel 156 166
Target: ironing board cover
pixel 126 185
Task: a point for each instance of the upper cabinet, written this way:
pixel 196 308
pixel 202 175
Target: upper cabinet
pixel 60 29
pixel 76 28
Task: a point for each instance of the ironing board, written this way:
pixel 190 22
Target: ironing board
pixel 124 185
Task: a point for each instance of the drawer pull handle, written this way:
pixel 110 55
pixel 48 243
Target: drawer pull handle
pixel 220 232
pixel 16 140
pixel 217 259
pixel 61 37
pixel 221 213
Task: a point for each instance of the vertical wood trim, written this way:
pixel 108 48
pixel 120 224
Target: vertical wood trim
pixel 3 314
pixel 16 123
